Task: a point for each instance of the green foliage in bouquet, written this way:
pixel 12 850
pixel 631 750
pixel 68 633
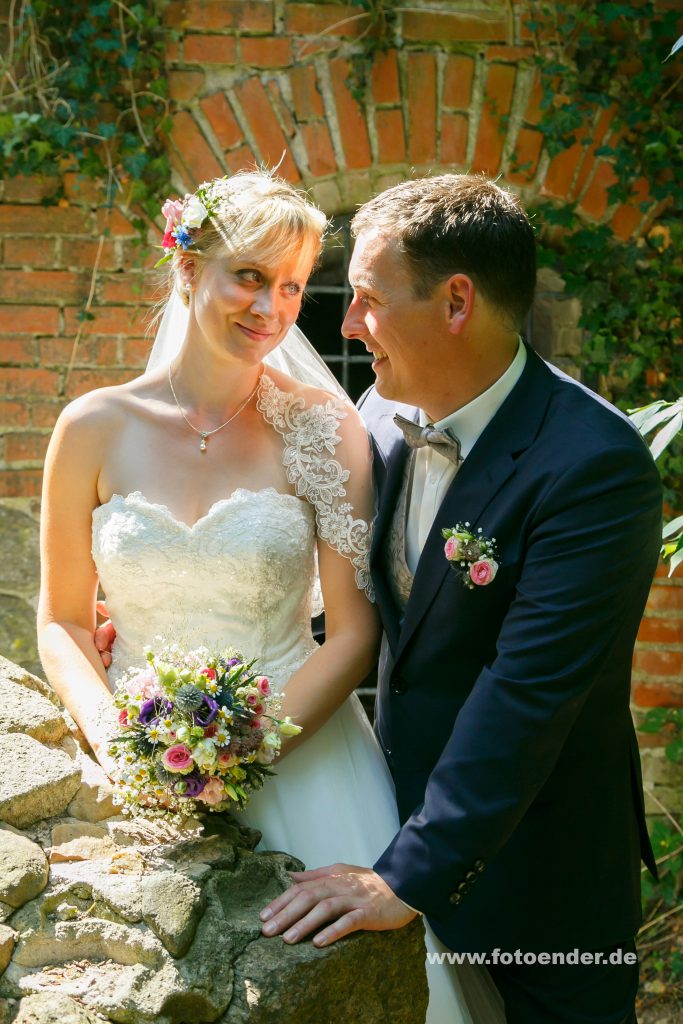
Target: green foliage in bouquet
pixel 196 730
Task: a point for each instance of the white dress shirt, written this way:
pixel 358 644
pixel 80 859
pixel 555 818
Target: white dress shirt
pixel 433 474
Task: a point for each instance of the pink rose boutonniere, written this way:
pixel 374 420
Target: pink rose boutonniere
pixel 473 556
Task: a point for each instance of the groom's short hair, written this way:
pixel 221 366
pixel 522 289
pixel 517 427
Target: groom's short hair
pixel 460 224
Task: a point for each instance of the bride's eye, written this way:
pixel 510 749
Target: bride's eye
pixel 252 276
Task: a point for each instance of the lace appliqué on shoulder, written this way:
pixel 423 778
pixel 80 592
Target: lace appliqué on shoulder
pixel 311 437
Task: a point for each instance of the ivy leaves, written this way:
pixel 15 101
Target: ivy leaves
pixel 85 83
pixel 609 59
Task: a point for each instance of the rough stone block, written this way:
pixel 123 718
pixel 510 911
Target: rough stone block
pixel 22 677
pixel 53 1008
pixel 19 534
pixel 94 800
pixel 36 782
pixel 23 868
pixel 172 906
pixel 82 847
pixel 18 630
pixel 8 938
pixel 24 710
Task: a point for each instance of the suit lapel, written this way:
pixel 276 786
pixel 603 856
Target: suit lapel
pixel 488 466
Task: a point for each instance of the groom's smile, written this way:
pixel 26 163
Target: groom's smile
pixel 388 318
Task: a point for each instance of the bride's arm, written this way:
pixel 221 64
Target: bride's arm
pixel 352 632
pixel 68 590
pixel 352 624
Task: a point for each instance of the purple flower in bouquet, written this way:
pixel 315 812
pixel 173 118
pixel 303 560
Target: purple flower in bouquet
pixel 193 786
pixel 205 714
pixel 153 709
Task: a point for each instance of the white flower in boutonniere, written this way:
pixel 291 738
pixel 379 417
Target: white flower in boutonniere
pixel 472 555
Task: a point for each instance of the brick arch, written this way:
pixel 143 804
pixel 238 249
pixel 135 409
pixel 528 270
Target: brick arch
pixel 425 111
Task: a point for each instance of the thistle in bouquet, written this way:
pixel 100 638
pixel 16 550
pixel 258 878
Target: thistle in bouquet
pixel 197 730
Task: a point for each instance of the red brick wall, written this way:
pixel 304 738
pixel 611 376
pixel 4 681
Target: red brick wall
pixel 249 81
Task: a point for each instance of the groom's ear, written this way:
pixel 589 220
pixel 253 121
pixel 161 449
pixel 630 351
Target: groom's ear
pixel 459 294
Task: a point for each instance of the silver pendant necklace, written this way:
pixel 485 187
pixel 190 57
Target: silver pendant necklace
pixel 204 435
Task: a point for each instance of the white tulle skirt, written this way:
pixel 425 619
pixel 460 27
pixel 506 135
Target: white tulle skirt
pixel 333 800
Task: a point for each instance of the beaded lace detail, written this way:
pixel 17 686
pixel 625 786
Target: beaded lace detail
pixel 312 435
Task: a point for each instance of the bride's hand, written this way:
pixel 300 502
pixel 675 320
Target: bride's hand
pixel 104 635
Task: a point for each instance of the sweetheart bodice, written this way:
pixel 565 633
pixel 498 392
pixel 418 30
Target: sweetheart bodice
pixel 241 576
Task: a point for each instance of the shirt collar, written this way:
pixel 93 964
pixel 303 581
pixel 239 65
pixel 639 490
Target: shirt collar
pixel 469 422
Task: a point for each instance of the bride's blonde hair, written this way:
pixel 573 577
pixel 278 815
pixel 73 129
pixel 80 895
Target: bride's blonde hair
pixel 255 213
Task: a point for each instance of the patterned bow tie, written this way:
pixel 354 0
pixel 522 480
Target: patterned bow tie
pixel 440 440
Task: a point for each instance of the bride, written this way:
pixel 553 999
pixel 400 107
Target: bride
pixel 208 496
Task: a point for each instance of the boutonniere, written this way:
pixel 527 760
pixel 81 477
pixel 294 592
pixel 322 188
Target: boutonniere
pixel 472 555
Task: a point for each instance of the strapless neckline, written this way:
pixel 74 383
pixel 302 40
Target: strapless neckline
pixel 240 492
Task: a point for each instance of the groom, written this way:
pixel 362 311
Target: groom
pixel 503 693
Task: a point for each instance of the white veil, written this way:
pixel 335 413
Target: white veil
pixel 294 356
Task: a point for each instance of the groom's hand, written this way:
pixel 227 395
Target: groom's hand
pixel 349 897
pixel 104 635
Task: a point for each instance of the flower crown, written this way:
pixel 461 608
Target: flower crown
pixel 186 217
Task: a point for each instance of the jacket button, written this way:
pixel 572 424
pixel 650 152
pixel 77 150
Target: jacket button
pixel 479 866
pixel 455 898
pixel 398 686
pixel 471 876
pixel 463 888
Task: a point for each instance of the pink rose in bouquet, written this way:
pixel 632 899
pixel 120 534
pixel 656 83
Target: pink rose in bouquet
pixel 178 759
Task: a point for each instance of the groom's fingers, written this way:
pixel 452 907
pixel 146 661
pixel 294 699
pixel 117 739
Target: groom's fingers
pixel 322 912
pixel 307 876
pixel 351 922
pixel 278 904
pixel 296 903
pixel 285 898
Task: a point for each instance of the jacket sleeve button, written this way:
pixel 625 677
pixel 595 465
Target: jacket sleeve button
pixel 479 866
pixel 455 898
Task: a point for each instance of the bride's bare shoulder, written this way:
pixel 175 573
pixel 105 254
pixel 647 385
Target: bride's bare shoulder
pixel 106 408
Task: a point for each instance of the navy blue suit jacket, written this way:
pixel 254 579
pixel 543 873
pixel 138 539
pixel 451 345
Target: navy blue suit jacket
pixel 503 711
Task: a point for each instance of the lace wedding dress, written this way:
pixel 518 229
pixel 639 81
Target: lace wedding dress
pixel 244 575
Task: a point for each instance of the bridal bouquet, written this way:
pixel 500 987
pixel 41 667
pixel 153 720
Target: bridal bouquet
pixel 195 729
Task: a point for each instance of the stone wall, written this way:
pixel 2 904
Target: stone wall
pixel 19 580
pixel 112 919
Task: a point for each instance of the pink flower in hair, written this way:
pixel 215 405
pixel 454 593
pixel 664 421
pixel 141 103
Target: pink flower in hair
pixel 172 210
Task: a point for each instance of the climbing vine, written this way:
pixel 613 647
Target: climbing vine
pixel 83 88
pixel 610 60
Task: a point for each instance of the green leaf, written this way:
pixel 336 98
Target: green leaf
pixel 674 751
pixel 654 720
